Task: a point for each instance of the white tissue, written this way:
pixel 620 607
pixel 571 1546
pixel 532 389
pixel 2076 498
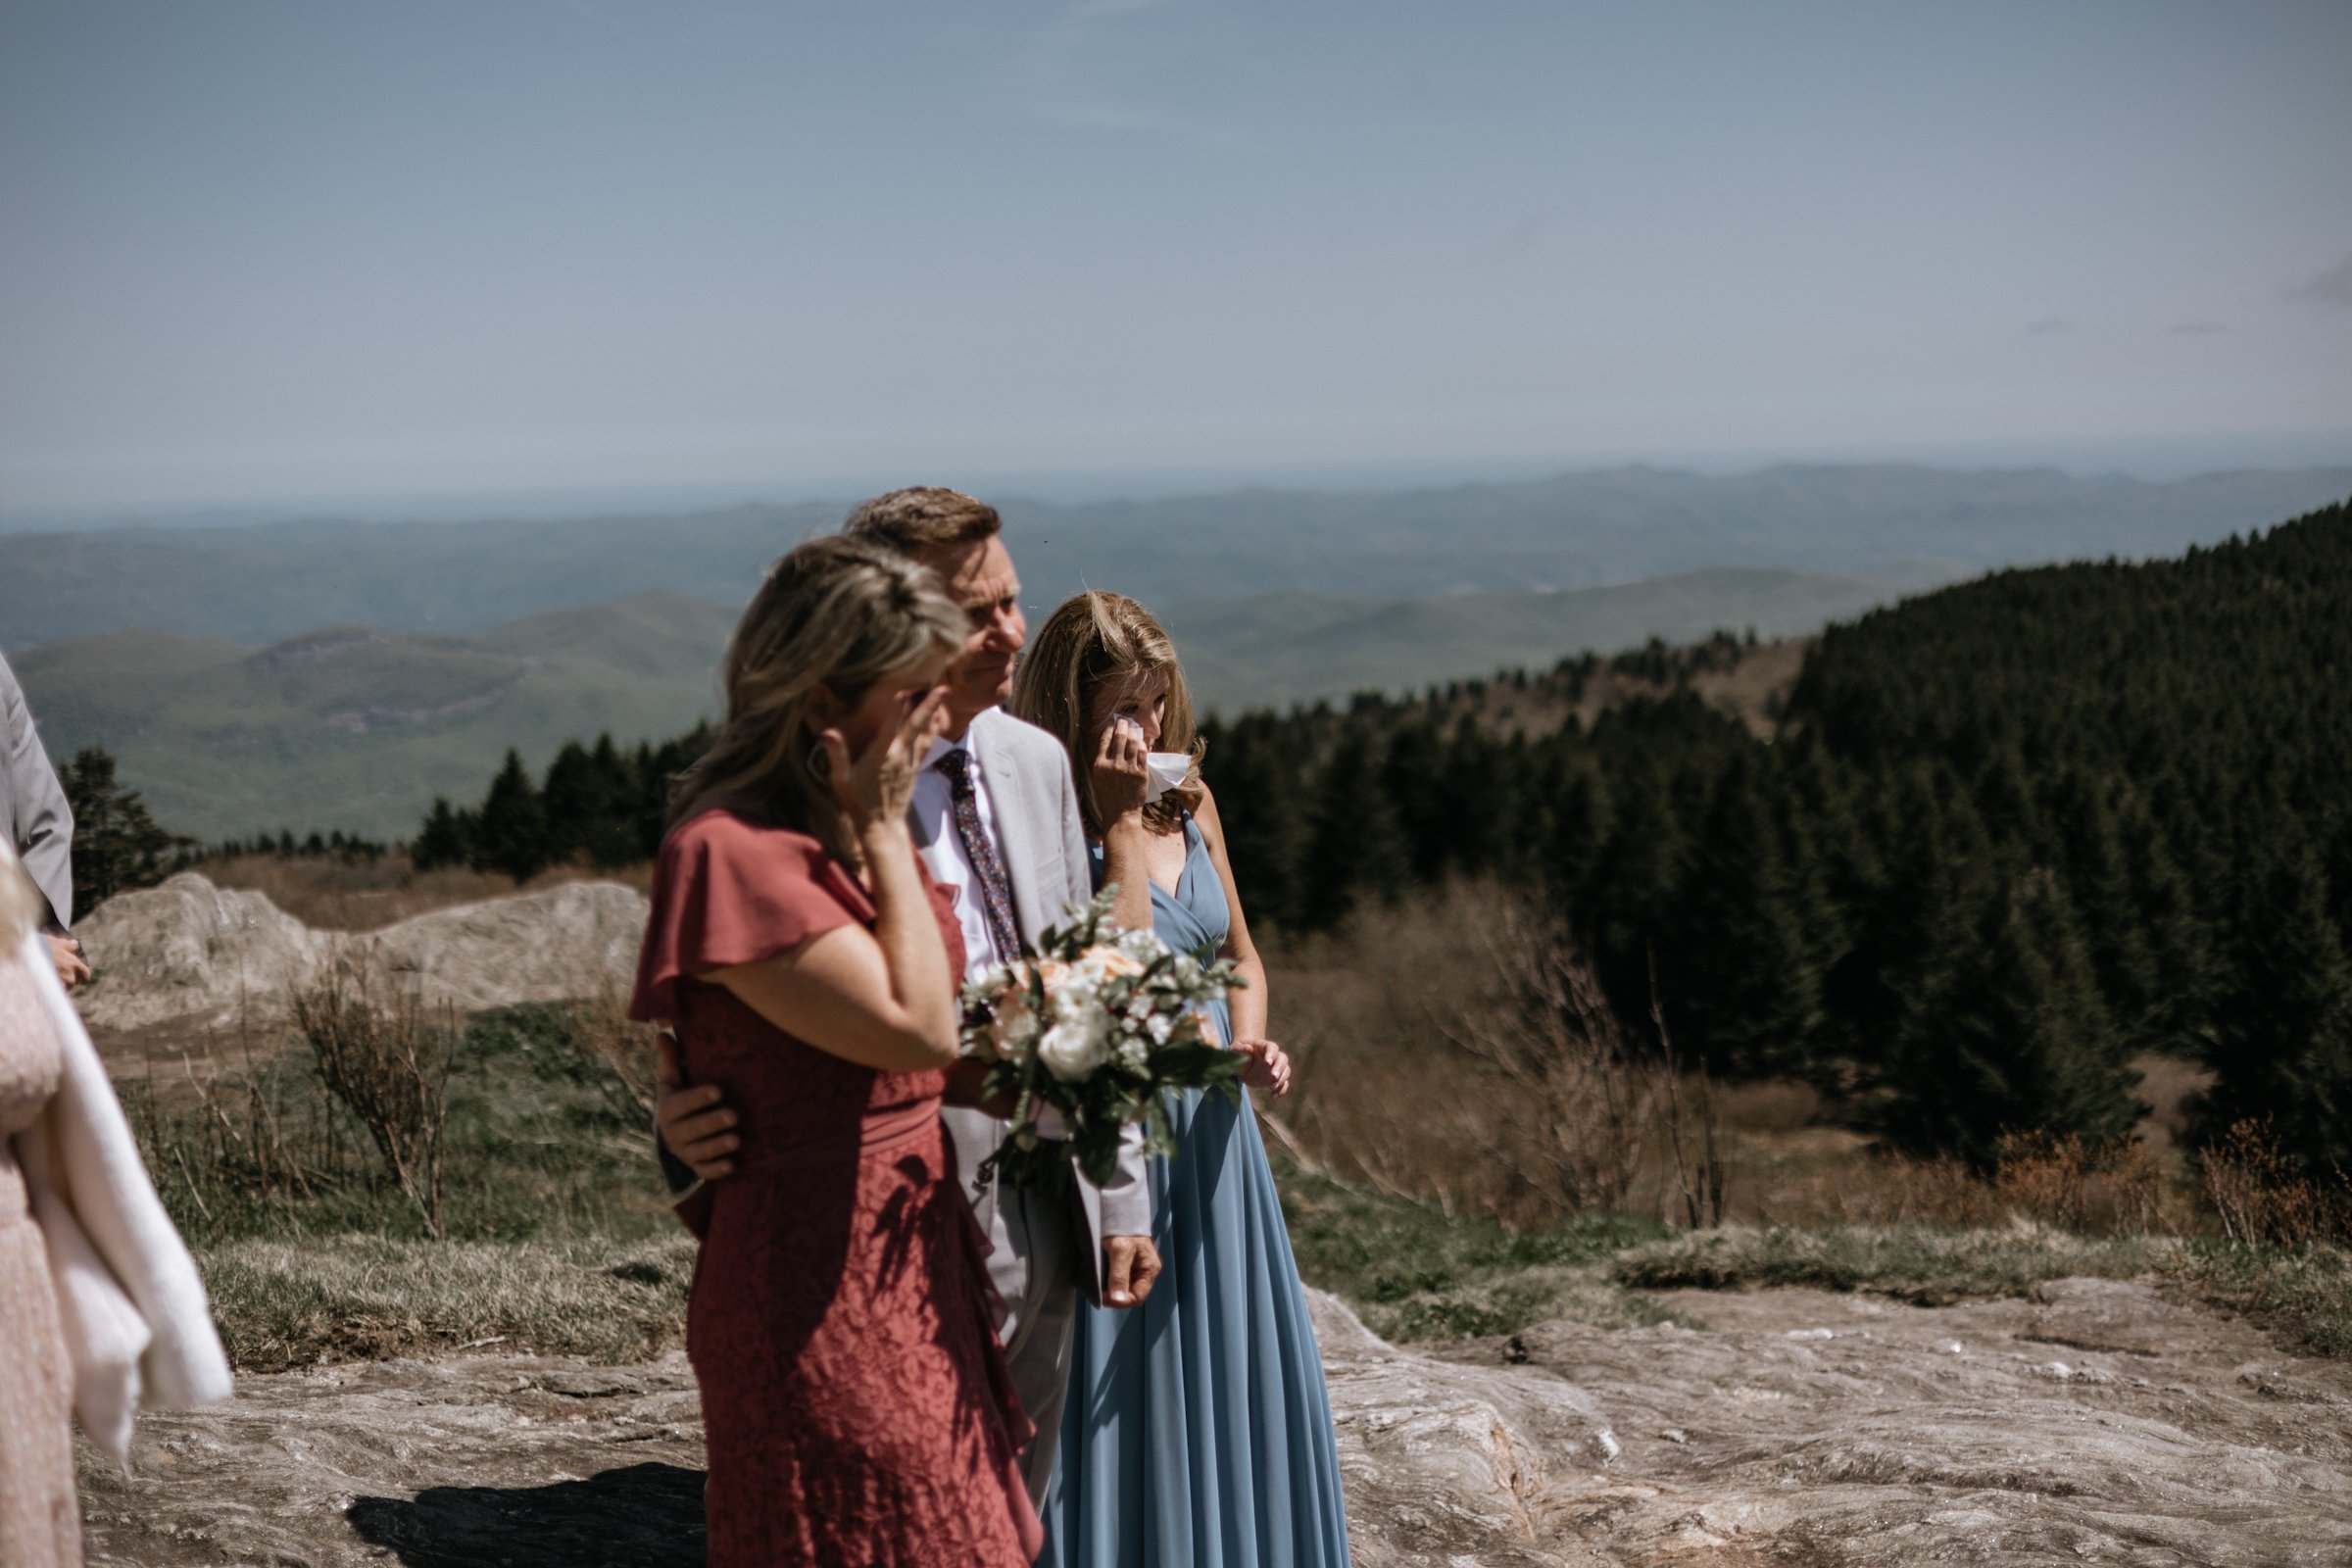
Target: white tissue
pixel 1168 769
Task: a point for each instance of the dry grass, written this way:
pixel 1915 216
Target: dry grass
pixel 328 894
pixel 343 1298
pixel 1424 1072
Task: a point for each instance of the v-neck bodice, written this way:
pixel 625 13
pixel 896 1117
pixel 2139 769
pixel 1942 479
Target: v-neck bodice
pixel 1195 915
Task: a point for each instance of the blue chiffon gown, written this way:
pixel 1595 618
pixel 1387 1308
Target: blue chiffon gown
pixel 1197 1432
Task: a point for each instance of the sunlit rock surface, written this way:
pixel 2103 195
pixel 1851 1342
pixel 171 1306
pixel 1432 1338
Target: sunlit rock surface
pixel 2095 1423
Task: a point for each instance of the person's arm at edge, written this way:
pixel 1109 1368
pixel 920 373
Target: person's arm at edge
pixel 44 828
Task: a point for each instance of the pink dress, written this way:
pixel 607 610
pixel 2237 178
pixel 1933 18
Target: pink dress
pixel 856 1403
pixel 40 1521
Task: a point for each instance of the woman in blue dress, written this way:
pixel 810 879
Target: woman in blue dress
pixel 1197 1433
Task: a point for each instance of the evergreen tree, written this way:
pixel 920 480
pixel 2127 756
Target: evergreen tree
pixel 2101 887
pixel 1577 828
pixel 1486 822
pixel 610 841
pixel 117 843
pixel 1253 766
pixel 2024 1041
pixel 509 835
pixel 2282 1039
pixel 1634 893
pixel 445 839
pixel 1742 991
pixel 1428 812
pixel 574 801
pixel 1355 849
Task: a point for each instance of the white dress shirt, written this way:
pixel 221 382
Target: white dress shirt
pixel 942 848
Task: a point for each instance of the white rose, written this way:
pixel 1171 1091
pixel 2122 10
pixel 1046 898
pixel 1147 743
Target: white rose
pixel 1014 1027
pixel 1075 1046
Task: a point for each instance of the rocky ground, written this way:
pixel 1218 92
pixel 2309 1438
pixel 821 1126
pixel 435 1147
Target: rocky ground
pixel 2094 1423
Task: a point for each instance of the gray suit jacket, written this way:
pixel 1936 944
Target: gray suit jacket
pixel 33 813
pixel 1034 800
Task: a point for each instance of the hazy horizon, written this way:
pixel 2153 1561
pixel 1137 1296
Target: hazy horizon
pixel 2161 463
pixel 556 257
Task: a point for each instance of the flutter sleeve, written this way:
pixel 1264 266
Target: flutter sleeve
pixel 729 891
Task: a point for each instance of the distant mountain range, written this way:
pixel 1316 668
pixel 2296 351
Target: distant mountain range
pixel 260 583
pixel 194 654
pixel 357 728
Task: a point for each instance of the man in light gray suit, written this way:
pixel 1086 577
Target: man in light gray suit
pixel 995 821
pixel 38 822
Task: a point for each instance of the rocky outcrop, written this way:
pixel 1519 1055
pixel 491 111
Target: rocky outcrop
pixel 188 949
pixel 568 941
pixel 2096 1422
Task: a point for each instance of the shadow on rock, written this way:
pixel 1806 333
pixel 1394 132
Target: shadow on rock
pixel 641 1516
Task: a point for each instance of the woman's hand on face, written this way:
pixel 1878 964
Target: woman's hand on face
pixel 1122 770
pixel 877 785
pixel 1269 1067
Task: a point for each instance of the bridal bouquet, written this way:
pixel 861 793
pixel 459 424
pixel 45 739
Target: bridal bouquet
pixel 1097 1028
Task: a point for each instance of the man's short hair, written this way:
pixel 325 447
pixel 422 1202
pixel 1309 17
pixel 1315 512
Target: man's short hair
pixel 925 518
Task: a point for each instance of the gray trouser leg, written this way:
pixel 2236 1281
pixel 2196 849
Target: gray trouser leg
pixel 1037 1340
pixel 1033 1262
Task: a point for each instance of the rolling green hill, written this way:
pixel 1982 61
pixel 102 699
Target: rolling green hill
pixel 357 729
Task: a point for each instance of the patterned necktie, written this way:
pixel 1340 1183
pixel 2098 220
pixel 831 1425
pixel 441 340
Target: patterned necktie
pixel 987 868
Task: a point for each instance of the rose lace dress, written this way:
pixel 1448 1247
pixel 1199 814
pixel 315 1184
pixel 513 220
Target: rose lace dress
pixel 857 1405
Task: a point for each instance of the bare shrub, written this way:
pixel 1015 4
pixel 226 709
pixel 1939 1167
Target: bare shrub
pixel 2111 1187
pixel 2263 1196
pixel 1453 1049
pixel 387 1060
pixel 238 1135
pixel 1585 1105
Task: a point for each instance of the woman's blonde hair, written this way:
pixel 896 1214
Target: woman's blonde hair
pixel 1088 643
pixel 838 613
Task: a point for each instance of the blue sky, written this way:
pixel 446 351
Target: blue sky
pixel 262 252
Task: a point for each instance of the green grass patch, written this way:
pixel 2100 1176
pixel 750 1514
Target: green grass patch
pixel 541 1143
pixel 1926 1265
pixel 2302 1294
pixel 1414 1272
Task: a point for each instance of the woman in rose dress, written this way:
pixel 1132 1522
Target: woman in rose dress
pixel 856 1405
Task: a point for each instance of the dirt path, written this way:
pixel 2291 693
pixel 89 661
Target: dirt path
pixel 2095 1424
